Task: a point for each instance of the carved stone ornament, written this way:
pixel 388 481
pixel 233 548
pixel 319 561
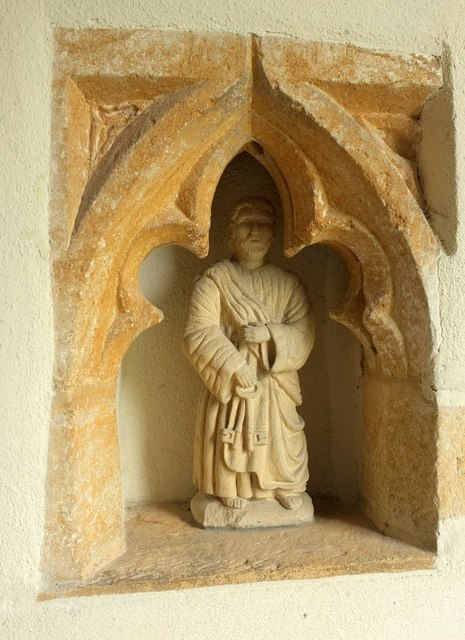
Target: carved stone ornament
pixel 144 126
pixel 250 329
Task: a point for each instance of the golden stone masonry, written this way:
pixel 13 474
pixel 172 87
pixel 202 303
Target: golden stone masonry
pixel 144 124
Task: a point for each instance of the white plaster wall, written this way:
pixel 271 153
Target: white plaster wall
pixel 423 605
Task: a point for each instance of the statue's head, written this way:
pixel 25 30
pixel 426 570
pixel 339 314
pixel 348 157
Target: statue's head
pixel 251 230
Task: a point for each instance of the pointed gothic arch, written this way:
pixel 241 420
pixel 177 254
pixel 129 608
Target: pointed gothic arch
pixel 154 186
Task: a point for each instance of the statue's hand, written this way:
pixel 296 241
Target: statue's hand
pixel 255 332
pixel 245 377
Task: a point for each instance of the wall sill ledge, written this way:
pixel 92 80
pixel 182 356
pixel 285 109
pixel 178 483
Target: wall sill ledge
pixel 167 551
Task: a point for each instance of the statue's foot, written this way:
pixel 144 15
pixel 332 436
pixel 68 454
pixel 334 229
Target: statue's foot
pixel 289 501
pixel 235 503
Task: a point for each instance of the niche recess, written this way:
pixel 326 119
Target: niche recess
pixel 145 124
pixel 156 430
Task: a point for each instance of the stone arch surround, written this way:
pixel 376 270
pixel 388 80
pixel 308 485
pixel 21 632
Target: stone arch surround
pixel 144 131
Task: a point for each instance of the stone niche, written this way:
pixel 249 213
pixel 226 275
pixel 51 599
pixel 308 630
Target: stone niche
pixel 145 125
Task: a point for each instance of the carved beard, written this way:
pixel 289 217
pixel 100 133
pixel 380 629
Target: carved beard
pixel 254 249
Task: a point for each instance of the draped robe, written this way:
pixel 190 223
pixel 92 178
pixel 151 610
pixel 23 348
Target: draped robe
pixel 253 446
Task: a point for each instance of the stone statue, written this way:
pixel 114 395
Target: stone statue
pixel 249 330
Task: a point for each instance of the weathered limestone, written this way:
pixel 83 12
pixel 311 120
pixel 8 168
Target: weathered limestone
pixel 401 502
pixel 451 462
pixel 144 126
pixel 167 551
pixel 210 512
pixel 250 328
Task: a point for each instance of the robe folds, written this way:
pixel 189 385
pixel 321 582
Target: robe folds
pixel 249 443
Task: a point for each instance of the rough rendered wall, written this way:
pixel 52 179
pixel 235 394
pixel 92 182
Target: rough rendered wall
pixel 422 605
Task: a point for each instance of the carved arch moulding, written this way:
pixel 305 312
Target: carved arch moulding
pixel 144 125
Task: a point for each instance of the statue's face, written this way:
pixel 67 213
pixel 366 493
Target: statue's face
pixel 252 235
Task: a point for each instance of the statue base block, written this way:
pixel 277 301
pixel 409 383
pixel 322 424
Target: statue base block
pixel 209 511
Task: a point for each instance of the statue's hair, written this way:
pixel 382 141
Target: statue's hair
pixel 261 205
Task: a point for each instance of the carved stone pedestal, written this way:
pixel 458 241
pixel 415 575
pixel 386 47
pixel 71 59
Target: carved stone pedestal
pixel 209 511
